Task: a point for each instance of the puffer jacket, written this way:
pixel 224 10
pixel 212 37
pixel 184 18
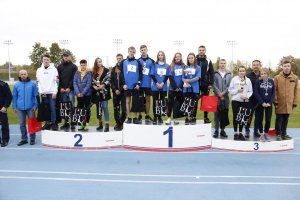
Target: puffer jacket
pixel 25 95
pixel 83 86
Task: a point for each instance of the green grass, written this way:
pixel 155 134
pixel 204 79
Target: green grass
pixel 293 120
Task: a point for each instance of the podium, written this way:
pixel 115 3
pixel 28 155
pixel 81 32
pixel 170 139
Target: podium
pixel 159 138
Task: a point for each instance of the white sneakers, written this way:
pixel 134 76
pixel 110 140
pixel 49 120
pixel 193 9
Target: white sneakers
pixel 168 122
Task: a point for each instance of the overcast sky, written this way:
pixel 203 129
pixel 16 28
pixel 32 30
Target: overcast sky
pixel 265 30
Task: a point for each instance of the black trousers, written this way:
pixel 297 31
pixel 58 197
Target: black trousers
pixel 4 127
pixel 281 123
pixel 260 112
pixel 119 102
pixel 171 98
pixel 235 110
pixel 85 102
pixel 157 95
pixel 194 96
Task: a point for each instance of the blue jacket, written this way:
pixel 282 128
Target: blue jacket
pixel 83 86
pixel 195 72
pixel 132 71
pixel 146 64
pixel 25 95
pixel 264 91
pixel 155 70
pixel 177 76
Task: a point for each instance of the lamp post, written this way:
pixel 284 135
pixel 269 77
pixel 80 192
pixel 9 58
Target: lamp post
pixel 178 43
pixel 117 42
pixel 64 43
pixel 8 42
pixel 231 43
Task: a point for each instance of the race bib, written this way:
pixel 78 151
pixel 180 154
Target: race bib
pixel 178 72
pixel 192 71
pixel 131 68
pixel 161 71
pixel 145 71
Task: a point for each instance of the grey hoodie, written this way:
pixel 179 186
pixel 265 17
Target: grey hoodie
pixel 222 85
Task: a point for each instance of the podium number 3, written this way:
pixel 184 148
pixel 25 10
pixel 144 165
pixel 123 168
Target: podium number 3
pixel 256 146
pixel 169 132
pixel 78 141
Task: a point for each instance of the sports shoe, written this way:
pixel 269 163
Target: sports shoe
pixel 128 121
pixel 264 138
pixel 83 128
pixel 54 127
pixel 148 120
pixel 160 121
pixel 206 120
pixel 155 121
pixel 168 122
pixel 176 122
pixel 236 136
pixel 193 121
pixel 223 134
pixel 286 137
pixel 32 142
pixel 241 137
pixel 106 129
pixel 278 138
pixel 256 135
pixel 65 126
pixel 100 127
pixel 47 126
pixel 135 121
pixel 186 121
pixel 140 117
pixel 22 142
pixel 247 134
pixel 118 127
pixel 216 134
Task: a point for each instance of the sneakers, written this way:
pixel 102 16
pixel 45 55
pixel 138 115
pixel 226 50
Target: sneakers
pixel 73 127
pixel 286 137
pixel 193 121
pixel 47 126
pixel 236 136
pixel 176 122
pixel 168 122
pixel 186 121
pixel 140 117
pixel 106 129
pixel 216 134
pixel 54 127
pixel 241 137
pixel 155 121
pixel 264 138
pixel 118 127
pixel 148 120
pixel 22 142
pixel 136 120
pixel 32 142
pixel 223 134
pixel 83 128
pixel 206 120
pixel 128 121
pixel 160 121
pixel 257 135
pixel 65 126
pixel 278 138
pixel 100 127
pixel 4 144
pixel 247 134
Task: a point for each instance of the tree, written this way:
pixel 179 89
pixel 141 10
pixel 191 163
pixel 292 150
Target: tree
pixel 36 54
pixel 55 54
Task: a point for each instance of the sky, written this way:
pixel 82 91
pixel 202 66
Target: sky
pixel 264 30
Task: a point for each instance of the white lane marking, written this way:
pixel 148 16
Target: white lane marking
pixel 151 182
pixel 128 151
pixel 144 175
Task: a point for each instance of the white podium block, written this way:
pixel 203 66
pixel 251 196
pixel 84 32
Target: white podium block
pixel 252 146
pixel 82 140
pixel 167 138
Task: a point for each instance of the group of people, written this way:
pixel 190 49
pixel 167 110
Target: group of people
pixel 131 79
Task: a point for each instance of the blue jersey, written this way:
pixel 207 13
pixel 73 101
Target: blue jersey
pixel 177 75
pixel 132 70
pixel 160 72
pixel 191 72
pixel 146 64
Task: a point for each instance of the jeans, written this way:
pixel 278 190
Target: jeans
pixel 119 101
pixel 104 105
pixel 52 104
pixel 22 119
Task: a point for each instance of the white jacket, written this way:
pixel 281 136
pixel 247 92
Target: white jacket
pixel 47 79
pixel 235 85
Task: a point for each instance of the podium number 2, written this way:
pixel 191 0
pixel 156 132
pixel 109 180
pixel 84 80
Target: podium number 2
pixel 169 132
pixel 78 141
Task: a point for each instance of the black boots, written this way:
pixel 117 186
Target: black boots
pixel 100 127
pixel 106 129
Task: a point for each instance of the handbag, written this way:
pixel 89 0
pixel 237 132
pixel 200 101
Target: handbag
pixel 209 103
pixel 33 125
pixel 161 107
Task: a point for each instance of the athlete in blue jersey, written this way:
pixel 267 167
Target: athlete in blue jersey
pixel 175 88
pixel 146 62
pixel 132 71
pixel 190 78
pixel 159 75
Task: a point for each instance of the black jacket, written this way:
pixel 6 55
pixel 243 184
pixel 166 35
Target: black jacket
pixel 105 79
pixel 5 95
pixel 207 71
pixel 117 79
pixel 253 77
pixel 66 72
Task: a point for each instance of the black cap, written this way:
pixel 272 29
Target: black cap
pixel 67 52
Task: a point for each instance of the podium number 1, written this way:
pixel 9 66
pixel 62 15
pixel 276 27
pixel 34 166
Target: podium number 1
pixel 169 132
